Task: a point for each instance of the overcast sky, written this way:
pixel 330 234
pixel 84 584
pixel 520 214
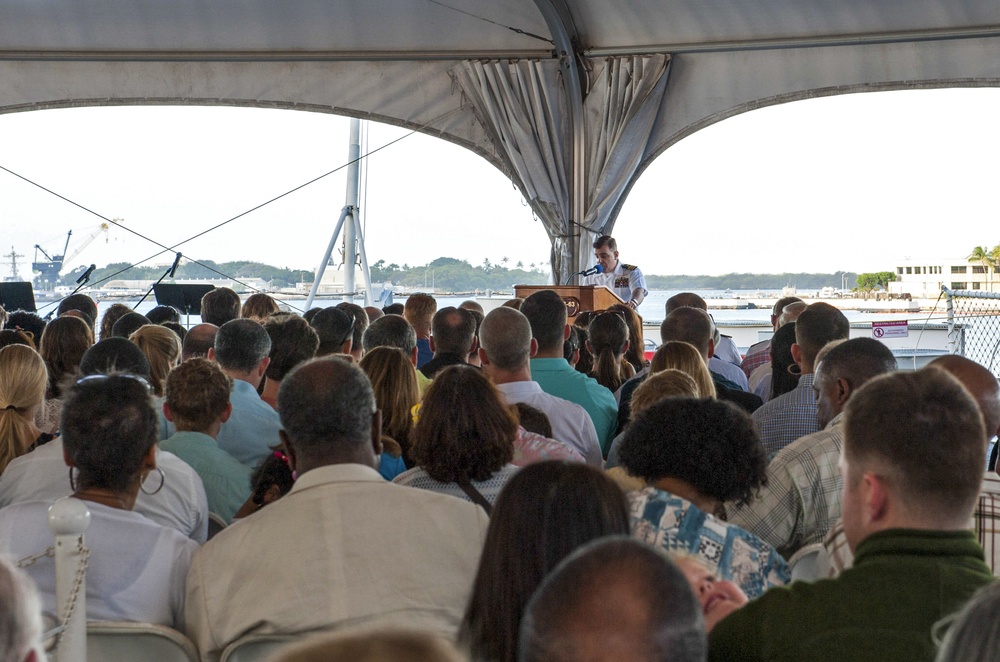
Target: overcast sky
pixel 856 182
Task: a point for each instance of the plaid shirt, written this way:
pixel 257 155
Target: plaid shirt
pixel 786 418
pixel 757 355
pixel 803 494
pixel 984 523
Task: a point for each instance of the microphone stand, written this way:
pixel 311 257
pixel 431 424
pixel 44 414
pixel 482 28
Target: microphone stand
pixel 82 283
pixel 169 273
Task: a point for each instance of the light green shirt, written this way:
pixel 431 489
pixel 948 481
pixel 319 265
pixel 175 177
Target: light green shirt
pixel 226 480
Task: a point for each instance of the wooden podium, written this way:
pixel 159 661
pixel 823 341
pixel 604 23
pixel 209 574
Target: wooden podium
pixel 578 298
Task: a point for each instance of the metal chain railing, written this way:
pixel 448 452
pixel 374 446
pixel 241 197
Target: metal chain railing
pixel 978 315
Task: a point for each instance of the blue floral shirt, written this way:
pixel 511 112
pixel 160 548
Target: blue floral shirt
pixel 675 524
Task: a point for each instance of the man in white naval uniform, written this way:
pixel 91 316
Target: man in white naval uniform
pixel 625 280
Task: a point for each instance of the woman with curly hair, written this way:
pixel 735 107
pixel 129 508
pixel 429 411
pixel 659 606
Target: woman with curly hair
pixel 162 348
pixel 115 312
pixel 696 455
pixel 463 442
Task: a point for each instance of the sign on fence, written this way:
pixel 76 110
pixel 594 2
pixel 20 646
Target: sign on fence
pixel 891 329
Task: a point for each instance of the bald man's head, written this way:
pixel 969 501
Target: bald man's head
pixel 199 339
pixel 979 382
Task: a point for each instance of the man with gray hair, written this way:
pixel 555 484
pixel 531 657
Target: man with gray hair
pixel 613 599
pixel 393 330
pixel 505 350
pixel 241 349
pixel 20 616
pixel 327 553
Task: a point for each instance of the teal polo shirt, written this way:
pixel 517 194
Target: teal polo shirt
pixel 558 378
pixel 226 480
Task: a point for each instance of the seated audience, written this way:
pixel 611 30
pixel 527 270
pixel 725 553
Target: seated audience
pixel 785 418
pixel 394 382
pixel 608 341
pixel 394 331
pixel 669 383
pixel 419 312
pixel 271 480
pixel 136 568
pixel 673 354
pixel 22 391
pixel 413 553
pixel 759 353
pixel 373 313
pixel 394 645
pixel 724 350
pixel 546 313
pixel 163 314
pixel 974 635
pixel 463 443
pixel 543 513
pixel 635 354
pixel 198 340
pixel 64 342
pixel 128 324
pixel 293 341
pixel 259 307
pixel 176 327
pixel 361 321
pixel 583 360
pixel 114 313
pixel 30 323
pixel 395 309
pixel 533 419
pixel 219 306
pixel 695 455
pixel 718 597
pixel 784 372
pixel 912 463
pixel 81 303
pixel 453 339
pixel 694 326
pixel 20 616
pixel 801 500
pixel 335 329
pixel 241 350
pixel 15 337
pixel 473 358
pixel 197 403
pixel 41 474
pixel 505 353
pixel 614 599
pixel 162 349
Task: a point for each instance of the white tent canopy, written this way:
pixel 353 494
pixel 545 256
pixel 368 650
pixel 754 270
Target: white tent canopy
pixel 571 100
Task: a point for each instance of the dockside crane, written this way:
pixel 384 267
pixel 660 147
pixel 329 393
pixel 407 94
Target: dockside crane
pixel 47 272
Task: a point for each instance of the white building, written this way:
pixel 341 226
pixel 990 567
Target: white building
pixel 922 279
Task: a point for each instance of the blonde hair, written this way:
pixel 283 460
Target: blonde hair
pixel 162 349
pixel 685 357
pixel 394 382
pixel 23 379
pixel 664 384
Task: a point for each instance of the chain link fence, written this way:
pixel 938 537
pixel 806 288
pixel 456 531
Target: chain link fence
pixel 974 326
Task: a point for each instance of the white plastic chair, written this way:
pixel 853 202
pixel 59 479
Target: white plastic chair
pixel 803 564
pixel 121 641
pixel 215 524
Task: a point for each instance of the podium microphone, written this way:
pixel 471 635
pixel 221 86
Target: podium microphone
pixel 596 269
pixel 85 276
pixel 173 267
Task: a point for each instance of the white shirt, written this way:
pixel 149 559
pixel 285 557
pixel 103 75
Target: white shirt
pixel 344 546
pixel 730 371
pixel 42 475
pixel 135 572
pixel 622 281
pixel 571 424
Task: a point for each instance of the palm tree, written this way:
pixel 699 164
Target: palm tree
pixel 988 259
